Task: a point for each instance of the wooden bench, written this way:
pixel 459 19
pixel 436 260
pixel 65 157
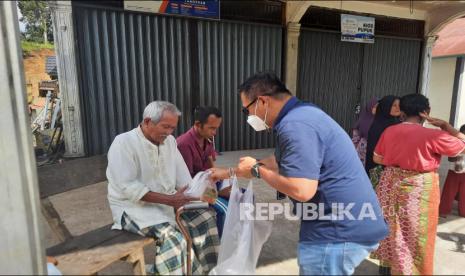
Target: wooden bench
pixel 95 250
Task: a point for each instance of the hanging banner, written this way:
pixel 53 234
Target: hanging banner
pixel 357 28
pixel 192 8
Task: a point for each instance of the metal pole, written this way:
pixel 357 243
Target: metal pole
pixel 56 109
pixel 21 248
pixel 188 239
pixel 196 205
pixel 426 64
pixel 47 103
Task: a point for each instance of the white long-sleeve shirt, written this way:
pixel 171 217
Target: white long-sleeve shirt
pixel 135 167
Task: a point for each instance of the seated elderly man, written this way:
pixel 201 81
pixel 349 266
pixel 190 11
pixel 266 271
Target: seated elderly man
pixel 147 177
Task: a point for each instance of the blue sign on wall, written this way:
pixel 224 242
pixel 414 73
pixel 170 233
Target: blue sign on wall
pixel 195 8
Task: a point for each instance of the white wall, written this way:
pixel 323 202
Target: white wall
pixel 440 96
pixel 373 8
pixel 441 86
pixel 460 116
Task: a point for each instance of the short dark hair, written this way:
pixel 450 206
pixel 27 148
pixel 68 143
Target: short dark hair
pixel 201 113
pixel 414 104
pixel 462 129
pixel 264 83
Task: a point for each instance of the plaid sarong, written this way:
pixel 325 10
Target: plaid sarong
pixel 171 249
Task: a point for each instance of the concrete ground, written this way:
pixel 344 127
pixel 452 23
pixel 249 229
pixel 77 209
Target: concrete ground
pixel 87 208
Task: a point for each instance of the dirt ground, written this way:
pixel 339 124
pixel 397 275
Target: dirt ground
pixel 34 70
pixel 87 208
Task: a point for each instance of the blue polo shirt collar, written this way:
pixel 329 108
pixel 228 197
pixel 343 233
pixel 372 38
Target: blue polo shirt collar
pixel 291 103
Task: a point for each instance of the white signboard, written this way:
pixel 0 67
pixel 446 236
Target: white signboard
pixel 357 28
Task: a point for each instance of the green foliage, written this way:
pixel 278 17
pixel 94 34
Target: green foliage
pixel 37 20
pixel 29 46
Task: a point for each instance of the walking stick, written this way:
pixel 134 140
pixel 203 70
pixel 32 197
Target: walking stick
pixel 185 232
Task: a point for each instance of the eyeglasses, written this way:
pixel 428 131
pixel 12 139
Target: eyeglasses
pixel 245 110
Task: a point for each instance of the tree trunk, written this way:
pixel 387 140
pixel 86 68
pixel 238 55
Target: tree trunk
pixel 45 32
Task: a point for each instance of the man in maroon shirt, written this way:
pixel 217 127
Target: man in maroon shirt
pixel 198 150
pixel 196 145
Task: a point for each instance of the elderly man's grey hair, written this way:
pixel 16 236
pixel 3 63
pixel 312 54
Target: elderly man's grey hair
pixel 155 110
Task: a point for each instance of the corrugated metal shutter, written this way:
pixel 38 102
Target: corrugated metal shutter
pixel 329 73
pixel 126 61
pixel 390 67
pixel 228 54
pixel 339 75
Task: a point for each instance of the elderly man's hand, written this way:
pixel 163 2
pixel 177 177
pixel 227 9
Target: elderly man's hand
pixel 245 166
pixel 179 199
pixel 218 174
pixel 226 192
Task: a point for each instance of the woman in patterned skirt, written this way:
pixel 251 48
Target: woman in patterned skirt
pixel 387 114
pixel 408 189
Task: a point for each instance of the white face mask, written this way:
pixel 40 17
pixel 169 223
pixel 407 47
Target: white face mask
pixel 255 122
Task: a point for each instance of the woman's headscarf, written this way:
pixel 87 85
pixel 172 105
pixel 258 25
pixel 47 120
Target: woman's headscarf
pixel 366 118
pixel 383 120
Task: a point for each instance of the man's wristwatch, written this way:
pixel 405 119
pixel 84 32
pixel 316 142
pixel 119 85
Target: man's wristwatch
pixel 255 172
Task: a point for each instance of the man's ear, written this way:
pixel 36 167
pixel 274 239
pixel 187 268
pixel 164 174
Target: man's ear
pixel 197 124
pixel 263 99
pixel 146 121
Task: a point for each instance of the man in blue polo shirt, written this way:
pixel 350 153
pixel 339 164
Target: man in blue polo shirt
pixel 316 165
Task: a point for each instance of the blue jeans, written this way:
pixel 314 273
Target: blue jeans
pixel 340 258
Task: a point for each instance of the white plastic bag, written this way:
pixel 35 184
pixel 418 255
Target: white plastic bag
pixel 199 184
pixel 242 240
